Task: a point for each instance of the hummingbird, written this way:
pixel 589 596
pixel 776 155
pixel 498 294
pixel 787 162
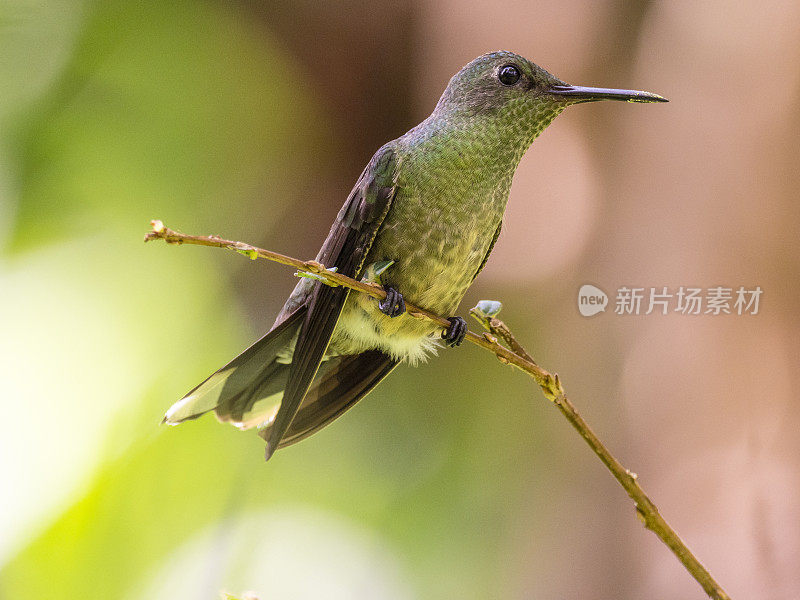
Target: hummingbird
pixel 422 220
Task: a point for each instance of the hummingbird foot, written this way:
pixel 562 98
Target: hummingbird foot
pixel 393 305
pixel 455 334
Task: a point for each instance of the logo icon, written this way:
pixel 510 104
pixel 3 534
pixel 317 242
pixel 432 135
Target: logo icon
pixel 591 300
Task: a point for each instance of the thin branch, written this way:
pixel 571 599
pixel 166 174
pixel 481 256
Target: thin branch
pixel 514 355
pixel 487 340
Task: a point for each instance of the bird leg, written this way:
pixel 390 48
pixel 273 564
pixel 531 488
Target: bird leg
pixel 454 334
pixel 393 305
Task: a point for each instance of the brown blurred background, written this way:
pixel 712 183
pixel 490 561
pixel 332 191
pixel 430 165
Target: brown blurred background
pixel 252 120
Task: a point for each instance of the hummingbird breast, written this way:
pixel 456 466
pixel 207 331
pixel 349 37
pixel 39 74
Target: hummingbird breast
pixel 437 246
pixel 440 227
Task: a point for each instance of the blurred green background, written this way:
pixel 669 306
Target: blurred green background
pixel 252 119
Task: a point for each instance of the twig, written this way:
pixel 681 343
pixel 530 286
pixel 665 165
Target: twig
pixel 645 508
pixel 517 355
pixel 487 340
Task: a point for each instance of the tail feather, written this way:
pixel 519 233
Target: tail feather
pixel 247 392
pixel 241 384
pixel 339 384
pixel 257 403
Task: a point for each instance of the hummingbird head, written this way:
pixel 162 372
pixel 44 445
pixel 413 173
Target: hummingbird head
pixel 518 96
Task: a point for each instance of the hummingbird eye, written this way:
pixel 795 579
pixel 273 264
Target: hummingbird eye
pixel 508 75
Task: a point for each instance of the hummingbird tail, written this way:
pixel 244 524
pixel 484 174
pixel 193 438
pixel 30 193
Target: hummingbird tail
pixel 339 384
pixel 247 391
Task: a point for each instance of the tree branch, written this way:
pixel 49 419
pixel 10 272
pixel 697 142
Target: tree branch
pixel 514 355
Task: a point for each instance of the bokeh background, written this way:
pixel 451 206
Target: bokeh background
pixel 455 479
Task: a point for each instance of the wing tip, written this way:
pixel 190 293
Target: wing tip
pixel 178 412
pixel 269 450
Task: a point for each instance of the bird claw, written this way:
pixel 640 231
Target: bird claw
pixel 455 334
pixel 393 305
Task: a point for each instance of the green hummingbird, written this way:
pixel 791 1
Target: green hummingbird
pixel 422 219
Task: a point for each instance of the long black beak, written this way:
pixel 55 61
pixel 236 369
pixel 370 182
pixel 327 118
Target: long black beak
pixel 577 93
